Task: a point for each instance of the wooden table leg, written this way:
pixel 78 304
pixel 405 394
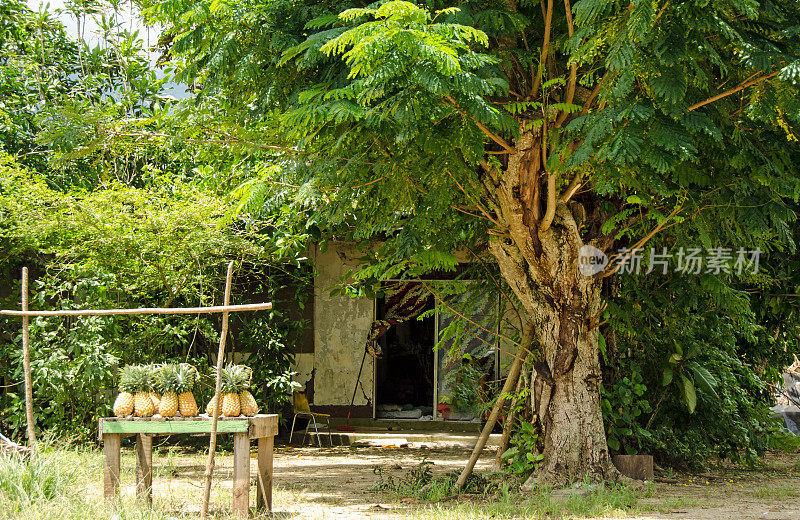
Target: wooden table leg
pixel 111 448
pixel 241 475
pixel 264 478
pixel 144 468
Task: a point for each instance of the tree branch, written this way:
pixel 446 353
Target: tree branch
pixel 574 186
pixel 550 212
pixel 734 90
pixel 491 135
pixel 638 245
pixel 573 68
pixel 548 22
pixel 594 94
pixel 550 208
pixel 485 211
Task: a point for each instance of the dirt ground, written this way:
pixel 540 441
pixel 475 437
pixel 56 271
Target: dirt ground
pixel 338 483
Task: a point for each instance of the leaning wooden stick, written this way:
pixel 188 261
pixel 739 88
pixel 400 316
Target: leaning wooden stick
pixel 508 422
pixel 511 381
pixel 212 444
pixel 26 363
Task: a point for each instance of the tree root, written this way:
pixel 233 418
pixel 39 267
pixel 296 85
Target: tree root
pixel 553 479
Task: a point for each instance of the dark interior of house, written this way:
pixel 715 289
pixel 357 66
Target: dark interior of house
pixel 404 378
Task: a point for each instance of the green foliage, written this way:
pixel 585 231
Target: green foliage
pixel 623 406
pixel 464 386
pixel 108 223
pixel 697 347
pixel 524 454
pixel 421 483
pixel 784 442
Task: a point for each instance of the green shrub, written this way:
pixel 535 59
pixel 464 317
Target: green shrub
pixel 523 455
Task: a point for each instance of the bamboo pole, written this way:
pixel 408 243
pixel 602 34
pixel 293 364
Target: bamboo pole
pixel 511 381
pixel 26 363
pixel 212 444
pixel 25 313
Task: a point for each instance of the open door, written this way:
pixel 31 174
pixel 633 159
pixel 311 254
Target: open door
pixel 404 382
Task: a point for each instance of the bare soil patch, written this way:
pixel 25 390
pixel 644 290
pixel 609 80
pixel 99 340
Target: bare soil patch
pixel 339 482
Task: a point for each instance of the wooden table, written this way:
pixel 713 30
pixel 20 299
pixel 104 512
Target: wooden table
pixel 261 427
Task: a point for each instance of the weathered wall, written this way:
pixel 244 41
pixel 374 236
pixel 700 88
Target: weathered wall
pixel 304 367
pixel 341 325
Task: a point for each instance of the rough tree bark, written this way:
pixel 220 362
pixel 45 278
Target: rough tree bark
pixel 537 247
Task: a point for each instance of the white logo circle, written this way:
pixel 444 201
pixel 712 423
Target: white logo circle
pixel 591 260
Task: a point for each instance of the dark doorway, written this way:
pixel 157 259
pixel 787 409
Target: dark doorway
pixel 404 374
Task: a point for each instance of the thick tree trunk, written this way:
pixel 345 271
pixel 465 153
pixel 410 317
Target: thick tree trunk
pixel 540 263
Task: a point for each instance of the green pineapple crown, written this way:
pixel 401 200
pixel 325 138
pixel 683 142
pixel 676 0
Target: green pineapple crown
pixel 165 378
pixel 137 378
pixel 236 378
pixel 186 377
pixel 127 379
pixel 150 375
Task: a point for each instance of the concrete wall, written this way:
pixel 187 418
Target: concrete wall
pixel 304 366
pixel 341 325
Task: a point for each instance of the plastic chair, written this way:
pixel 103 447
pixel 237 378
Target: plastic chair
pixel 302 409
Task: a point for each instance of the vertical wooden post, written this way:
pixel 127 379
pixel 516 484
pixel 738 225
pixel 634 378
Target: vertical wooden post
pixel 144 468
pixel 111 447
pixel 264 479
pixel 26 363
pixel 212 443
pixel 241 475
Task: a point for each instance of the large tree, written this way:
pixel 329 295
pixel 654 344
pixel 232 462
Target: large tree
pixel 528 127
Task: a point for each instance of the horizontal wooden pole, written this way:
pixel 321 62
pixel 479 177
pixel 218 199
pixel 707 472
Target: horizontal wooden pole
pixel 141 310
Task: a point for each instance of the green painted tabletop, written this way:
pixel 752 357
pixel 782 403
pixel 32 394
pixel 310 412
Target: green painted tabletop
pixel 200 424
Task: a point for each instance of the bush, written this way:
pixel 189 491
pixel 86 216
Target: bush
pixel 688 348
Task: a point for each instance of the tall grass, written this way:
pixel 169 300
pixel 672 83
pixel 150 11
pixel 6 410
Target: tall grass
pixel 61 482
pixel 43 476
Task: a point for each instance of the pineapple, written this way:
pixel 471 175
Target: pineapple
pixel 186 378
pixel 248 403
pixel 142 403
pixel 151 374
pixel 235 378
pixel 123 404
pixel 210 406
pixel 231 407
pixel 166 380
pixel 243 376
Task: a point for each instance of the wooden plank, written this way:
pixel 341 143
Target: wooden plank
pixel 111 448
pixel 263 426
pixel 174 427
pixel 241 475
pixel 140 310
pixel 264 477
pixel 639 467
pixel 144 468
